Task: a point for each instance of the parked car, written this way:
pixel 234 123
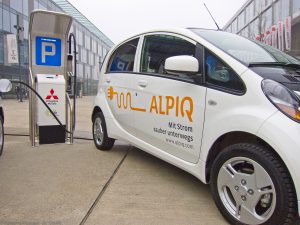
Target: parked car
pixel 5 86
pixel 215 104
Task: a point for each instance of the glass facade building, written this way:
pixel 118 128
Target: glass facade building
pixel 275 22
pixel 92 44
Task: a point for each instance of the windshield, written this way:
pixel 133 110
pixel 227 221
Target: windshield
pixel 243 49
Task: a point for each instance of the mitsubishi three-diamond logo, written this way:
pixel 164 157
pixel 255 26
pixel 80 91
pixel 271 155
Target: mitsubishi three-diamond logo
pixel 52 95
pixel 52 98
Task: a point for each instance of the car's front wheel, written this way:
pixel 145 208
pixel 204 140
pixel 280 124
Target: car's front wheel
pixel 1 135
pixel 251 185
pixel 101 140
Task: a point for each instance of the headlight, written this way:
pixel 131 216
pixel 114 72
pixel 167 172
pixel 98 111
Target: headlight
pixel 283 98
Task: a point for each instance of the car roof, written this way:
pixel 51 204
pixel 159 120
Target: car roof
pixel 182 31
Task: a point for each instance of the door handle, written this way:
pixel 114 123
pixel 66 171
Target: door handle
pixel 212 102
pixel 142 83
pixel 107 80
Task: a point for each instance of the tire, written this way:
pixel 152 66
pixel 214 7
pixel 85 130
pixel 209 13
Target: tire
pixel 1 135
pixel 101 140
pixel 249 176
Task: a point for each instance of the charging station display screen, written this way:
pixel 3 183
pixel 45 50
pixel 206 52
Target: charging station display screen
pixel 48 51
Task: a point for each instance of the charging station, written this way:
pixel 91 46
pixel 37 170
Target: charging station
pixel 49 76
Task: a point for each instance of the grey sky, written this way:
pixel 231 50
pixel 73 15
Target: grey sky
pixel 119 19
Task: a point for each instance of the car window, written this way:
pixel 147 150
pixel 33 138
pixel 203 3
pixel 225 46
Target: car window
pixel 122 59
pixel 157 48
pixel 218 74
pixel 245 50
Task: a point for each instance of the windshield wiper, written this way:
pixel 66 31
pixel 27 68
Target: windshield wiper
pixel 266 64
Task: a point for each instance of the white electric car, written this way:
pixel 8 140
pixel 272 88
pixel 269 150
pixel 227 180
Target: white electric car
pixel 217 105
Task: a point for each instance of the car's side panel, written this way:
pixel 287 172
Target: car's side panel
pixel 233 113
pixel 117 90
pixel 115 130
pixel 173 115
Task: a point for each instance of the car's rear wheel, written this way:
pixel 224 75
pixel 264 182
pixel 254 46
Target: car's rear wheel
pixel 251 185
pixel 1 135
pixel 101 140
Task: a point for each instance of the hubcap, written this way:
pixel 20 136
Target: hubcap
pixel 246 190
pixel 98 131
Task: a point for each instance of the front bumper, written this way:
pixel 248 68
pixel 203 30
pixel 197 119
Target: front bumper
pixel 283 135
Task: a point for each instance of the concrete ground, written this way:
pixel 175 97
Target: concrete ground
pixel 78 184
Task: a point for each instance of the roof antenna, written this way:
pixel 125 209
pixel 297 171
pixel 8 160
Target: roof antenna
pixel 212 17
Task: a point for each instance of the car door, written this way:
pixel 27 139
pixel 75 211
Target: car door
pixel 118 83
pixel 173 104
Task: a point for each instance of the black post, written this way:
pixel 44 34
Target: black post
pixel 19 29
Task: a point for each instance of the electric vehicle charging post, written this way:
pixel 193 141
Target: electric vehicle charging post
pixel 49 77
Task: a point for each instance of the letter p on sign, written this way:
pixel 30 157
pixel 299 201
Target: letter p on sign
pixel 48 51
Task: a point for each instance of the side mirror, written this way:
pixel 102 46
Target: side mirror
pixel 182 64
pixel 5 85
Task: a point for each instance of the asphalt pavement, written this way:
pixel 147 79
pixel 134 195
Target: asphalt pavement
pixel 62 184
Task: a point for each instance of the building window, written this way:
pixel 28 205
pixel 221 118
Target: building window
pixel 277 12
pixel 87 71
pixel 285 8
pixel 296 6
pixel 234 26
pixel 87 42
pixel 250 12
pixel 6 22
pixel 17 5
pixel 100 50
pixel 228 29
pixel 241 20
pixel 1 20
pixel 13 22
pixel 25 7
pixel 36 4
pixel 94 46
pixel 267 19
pixel 51 5
pixel 83 55
pixel 26 27
pixel 92 59
pixel 258 7
pixel 244 32
pixel 79 70
pixel 96 61
pixel 257 27
pixel 71 29
pixel 251 30
pixel 1 48
pixel 42 5
pixel 79 37
pixel 24 53
pixel 265 3
pixel 281 10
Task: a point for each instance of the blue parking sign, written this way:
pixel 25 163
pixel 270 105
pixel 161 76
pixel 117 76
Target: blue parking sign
pixel 48 51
